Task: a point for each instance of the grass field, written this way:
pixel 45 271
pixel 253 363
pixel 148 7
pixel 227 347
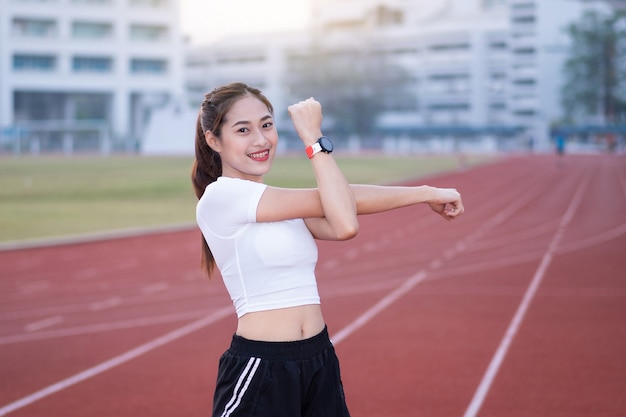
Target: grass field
pixel 60 196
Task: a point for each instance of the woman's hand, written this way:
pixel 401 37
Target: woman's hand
pixel 307 120
pixel 447 203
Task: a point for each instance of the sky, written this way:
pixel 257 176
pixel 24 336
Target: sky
pixel 209 20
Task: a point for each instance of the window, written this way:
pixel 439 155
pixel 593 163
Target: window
pixel 524 51
pixel 524 19
pixel 498 45
pixel 43 63
pixel 148 66
pixel 92 64
pixel 524 113
pixel 449 106
pixel 147 32
pixel 449 47
pixel 36 28
pixel 523 6
pixel 92 2
pixel 149 3
pixel 37 1
pixel 448 77
pixel 488 4
pixel 92 30
pixel 525 82
pixel 240 60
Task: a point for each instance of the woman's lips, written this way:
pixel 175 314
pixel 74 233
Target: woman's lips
pixel 260 156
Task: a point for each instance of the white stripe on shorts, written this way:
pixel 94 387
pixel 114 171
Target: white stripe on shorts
pixel 248 374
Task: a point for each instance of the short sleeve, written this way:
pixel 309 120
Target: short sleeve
pixel 228 205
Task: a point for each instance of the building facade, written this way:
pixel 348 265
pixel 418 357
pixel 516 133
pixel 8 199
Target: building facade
pixel 479 68
pixel 84 74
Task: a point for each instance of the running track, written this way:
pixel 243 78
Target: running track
pixel 516 309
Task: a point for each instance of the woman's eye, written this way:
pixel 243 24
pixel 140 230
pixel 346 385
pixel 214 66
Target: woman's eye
pixel 268 124
pixel 243 130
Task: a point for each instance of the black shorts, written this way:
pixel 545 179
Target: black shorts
pixel 280 379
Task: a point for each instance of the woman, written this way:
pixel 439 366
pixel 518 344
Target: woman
pixel 281 361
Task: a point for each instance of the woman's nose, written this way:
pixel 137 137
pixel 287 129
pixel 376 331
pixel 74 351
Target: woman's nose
pixel 259 138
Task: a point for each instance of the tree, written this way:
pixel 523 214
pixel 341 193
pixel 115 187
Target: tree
pixel 354 84
pixel 595 71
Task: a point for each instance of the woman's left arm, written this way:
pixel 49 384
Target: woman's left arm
pixel 372 199
pixel 378 198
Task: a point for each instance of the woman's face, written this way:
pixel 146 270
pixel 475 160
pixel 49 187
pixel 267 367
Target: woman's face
pixel 248 142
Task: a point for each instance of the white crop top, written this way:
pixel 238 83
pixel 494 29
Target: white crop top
pixel 265 266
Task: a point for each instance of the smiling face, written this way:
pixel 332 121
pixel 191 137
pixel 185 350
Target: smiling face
pixel 248 140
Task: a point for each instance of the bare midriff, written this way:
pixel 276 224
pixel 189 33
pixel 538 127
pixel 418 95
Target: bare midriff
pixel 282 325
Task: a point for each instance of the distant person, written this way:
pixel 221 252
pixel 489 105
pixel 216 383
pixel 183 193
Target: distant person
pixel 611 143
pixel 560 149
pixel 281 361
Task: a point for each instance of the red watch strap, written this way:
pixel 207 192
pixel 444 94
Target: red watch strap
pixel 313 149
pixel 309 151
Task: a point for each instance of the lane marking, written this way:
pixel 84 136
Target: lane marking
pixel 116 361
pixel 379 306
pixel 501 351
pixel 102 327
pixel 105 304
pixel 86 273
pixel 594 240
pixel 33 287
pixel 42 324
pixel 436 263
pixel 132 301
pixel 157 287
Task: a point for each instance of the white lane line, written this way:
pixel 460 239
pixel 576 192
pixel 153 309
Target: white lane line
pixel 42 324
pixel 436 263
pixel 105 304
pixel 157 287
pixel 34 287
pixel 116 361
pixel 379 306
pixel 594 240
pixel 496 361
pixel 86 273
pixel 102 327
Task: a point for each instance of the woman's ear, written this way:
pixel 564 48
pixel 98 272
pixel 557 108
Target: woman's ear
pixel 212 140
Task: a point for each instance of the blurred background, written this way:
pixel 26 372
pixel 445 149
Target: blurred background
pixel 397 76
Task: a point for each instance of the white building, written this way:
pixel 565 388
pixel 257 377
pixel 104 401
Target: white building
pixel 538 48
pixel 75 74
pixel 483 69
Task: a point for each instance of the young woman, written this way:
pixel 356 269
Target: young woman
pixel 281 361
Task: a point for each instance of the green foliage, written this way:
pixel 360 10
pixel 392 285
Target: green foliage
pixel 595 71
pixel 354 85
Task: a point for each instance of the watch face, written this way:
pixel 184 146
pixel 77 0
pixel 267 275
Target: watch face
pixel 326 144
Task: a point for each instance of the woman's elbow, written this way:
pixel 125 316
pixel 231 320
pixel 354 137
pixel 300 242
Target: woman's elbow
pixel 348 231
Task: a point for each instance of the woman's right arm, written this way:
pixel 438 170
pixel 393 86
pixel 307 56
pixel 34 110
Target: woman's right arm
pixel 330 210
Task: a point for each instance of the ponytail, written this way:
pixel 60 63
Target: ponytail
pixel 207 167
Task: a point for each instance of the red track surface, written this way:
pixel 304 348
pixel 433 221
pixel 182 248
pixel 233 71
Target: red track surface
pixel 516 309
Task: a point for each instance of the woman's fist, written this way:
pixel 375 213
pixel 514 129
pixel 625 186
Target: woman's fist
pixel 307 120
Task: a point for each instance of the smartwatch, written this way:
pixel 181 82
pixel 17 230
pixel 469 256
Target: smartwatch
pixel 323 144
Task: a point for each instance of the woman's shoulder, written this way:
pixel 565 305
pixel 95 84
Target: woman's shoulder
pixel 232 194
pixel 231 185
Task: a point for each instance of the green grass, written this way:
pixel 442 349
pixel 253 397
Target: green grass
pixel 60 196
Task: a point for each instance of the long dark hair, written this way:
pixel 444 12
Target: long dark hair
pixel 207 166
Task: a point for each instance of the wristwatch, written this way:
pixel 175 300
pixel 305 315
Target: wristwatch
pixel 323 144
